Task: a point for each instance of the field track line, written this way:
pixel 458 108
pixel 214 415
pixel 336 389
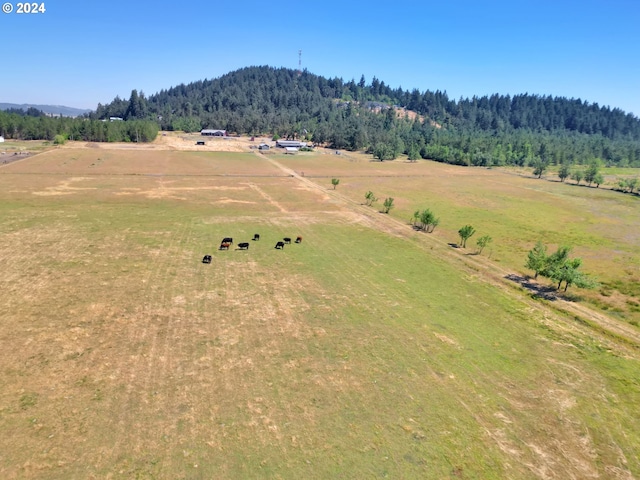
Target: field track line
pixel 490 272
pixel 146 369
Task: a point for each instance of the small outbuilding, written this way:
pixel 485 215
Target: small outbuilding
pixel 1 139
pixel 263 146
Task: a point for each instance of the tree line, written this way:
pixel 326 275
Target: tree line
pixel 19 125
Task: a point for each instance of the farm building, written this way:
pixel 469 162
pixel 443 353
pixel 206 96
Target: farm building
pixel 263 146
pixel 1 139
pixel 213 133
pixel 290 143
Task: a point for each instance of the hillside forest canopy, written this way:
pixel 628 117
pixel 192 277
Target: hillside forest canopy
pixel 523 130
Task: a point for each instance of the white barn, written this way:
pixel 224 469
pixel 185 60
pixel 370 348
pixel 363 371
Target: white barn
pixel 290 143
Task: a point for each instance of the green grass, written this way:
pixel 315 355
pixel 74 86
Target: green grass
pixel 515 211
pixel 356 354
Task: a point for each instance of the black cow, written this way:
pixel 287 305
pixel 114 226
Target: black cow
pixel 299 240
pixel 206 259
pixel 225 246
pixel 280 245
pixel 227 240
pixel 243 246
pixel 256 236
pixel 287 240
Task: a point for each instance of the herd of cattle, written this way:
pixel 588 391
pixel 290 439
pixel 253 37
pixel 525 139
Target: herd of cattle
pixel 226 243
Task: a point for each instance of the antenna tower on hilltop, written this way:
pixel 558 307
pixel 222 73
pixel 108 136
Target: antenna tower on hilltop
pixel 299 62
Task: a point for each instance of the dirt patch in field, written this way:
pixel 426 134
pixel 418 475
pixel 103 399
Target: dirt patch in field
pixel 231 200
pixel 65 188
pixel 176 141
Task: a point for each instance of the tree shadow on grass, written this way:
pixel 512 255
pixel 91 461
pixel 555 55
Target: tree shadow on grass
pixel 537 291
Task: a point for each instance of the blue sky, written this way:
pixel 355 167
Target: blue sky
pixel 81 52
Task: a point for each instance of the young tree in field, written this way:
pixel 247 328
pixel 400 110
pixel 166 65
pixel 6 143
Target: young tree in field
pixel 577 176
pixel 629 184
pixel 335 182
pixel 415 217
pixel 556 263
pixel 564 269
pixel 483 242
pixel 564 172
pixel 566 272
pixel 537 259
pixel 465 233
pixel 428 220
pixel 591 172
pixel 539 167
pixel 387 205
pixel 426 217
pixel 369 198
pixel 598 179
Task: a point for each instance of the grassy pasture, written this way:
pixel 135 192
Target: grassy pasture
pixel 516 211
pixel 10 146
pixel 356 354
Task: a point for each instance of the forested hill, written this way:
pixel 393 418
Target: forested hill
pixel 491 130
pixel 263 99
pixel 387 122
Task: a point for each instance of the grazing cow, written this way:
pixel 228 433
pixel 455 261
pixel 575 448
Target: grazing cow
pixel 298 239
pixel 206 259
pixel 280 245
pixel 243 246
pixel 227 240
pixel 256 236
pixel 287 240
pixel 225 246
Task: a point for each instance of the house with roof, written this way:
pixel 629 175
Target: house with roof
pixel 213 133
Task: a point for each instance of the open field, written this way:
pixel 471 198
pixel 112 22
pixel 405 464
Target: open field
pixel 363 352
pixel 516 211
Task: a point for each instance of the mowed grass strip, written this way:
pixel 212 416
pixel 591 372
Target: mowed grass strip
pixel 352 354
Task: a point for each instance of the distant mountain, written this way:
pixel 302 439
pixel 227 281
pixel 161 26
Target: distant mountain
pixel 54 110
